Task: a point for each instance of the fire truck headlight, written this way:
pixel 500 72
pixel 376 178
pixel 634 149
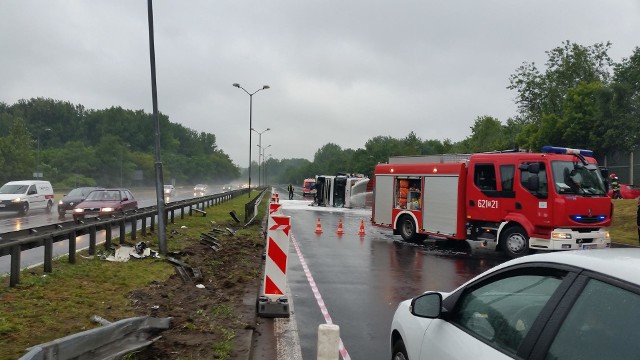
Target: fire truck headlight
pixel 607 236
pixel 560 236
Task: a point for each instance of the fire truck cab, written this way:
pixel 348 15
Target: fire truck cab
pixel 516 201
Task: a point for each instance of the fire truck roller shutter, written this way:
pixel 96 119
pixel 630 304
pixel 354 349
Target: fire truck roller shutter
pixel 383 200
pixel 439 209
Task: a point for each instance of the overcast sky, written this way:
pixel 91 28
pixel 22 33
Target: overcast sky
pixel 339 71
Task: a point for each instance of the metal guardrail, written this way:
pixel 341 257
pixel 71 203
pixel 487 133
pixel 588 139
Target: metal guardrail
pixel 111 341
pixel 14 243
pixel 251 208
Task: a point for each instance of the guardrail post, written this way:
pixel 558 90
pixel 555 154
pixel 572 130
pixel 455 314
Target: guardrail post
pixel 107 236
pixel 182 212
pixel 92 240
pixel 72 247
pixel 16 251
pixel 134 228
pixel 48 254
pixel 123 231
pixel 153 223
pixel 172 216
pixel 190 210
pixel 143 229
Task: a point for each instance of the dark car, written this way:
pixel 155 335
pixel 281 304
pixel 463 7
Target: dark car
pixel 105 202
pixel 73 198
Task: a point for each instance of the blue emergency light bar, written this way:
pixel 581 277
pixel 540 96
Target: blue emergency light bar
pixel 564 150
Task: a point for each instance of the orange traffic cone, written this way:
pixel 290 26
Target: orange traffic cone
pixel 318 227
pixel 361 228
pixel 340 230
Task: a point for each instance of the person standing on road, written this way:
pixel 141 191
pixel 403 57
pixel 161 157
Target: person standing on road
pixel 638 217
pixel 290 188
pixel 615 186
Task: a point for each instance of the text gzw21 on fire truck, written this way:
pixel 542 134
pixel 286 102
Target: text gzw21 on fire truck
pixel 517 201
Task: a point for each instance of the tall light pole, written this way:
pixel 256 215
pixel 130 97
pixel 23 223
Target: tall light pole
pixel 265 87
pixel 261 151
pixel 37 173
pixel 260 145
pixel 265 168
pixel 162 235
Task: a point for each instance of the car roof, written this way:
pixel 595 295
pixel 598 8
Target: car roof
pixel 621 263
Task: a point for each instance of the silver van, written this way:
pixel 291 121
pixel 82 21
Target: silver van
pixel 21 196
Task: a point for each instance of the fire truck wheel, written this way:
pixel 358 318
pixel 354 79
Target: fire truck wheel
pixel 407 229
pixel 515 242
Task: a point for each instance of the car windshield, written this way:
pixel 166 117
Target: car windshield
pixel 577 179
pixel 106 195
pixel 14 189
pixel 79 192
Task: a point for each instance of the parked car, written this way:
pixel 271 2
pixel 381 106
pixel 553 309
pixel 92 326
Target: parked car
pixel 105 202
pixel 627 191
pixel 579 304
pixel 200 190
pixel 23 195
pixel 169 191
pixel 73 198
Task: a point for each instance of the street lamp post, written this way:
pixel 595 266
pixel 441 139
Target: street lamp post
pixel 265 167
pixel 37 174
pixel 260 146
pixel 261 152
pixel 250 123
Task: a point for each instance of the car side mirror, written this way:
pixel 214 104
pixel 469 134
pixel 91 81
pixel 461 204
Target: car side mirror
pixel 124 199
pixel 427 305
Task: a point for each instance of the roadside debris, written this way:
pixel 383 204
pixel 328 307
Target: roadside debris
pixel 113 340
pixel 139 251
pixel 187 273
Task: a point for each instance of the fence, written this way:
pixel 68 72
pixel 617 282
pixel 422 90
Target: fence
pixel 14 243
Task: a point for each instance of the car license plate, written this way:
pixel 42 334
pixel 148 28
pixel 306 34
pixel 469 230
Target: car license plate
pixel 589 246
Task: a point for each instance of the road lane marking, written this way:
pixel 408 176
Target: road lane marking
pixel 316 293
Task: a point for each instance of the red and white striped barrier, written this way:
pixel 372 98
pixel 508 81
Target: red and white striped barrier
pixel 273 301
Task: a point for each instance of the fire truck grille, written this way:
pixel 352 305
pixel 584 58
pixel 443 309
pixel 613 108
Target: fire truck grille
pixel 586 219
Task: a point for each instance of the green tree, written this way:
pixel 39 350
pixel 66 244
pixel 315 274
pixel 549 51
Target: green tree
pixel 18 153
pixel 540 93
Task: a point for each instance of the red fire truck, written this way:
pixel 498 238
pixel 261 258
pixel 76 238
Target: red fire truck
pixel 513 201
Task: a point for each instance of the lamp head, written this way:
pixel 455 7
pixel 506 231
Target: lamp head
pixel 266 87
pixel 236 85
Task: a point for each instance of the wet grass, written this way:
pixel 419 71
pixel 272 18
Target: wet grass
pixel 623 228
pixel 48 306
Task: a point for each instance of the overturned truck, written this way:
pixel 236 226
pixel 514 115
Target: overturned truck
pixel 342 190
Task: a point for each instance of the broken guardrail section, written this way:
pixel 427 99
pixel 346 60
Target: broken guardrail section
pixel 110 341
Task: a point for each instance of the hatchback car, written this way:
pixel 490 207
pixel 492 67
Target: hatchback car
pixel 73 198
pixel 627 191
pixel 581 304
pixel 105 202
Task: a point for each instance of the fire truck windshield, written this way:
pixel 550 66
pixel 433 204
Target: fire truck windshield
pixel 577 179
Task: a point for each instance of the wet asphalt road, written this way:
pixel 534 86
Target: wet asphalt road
pixel 361 279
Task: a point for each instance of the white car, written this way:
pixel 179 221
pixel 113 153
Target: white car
pixel 581 304
pixel 169 191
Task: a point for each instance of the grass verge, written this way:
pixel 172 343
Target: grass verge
pixel 47 306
